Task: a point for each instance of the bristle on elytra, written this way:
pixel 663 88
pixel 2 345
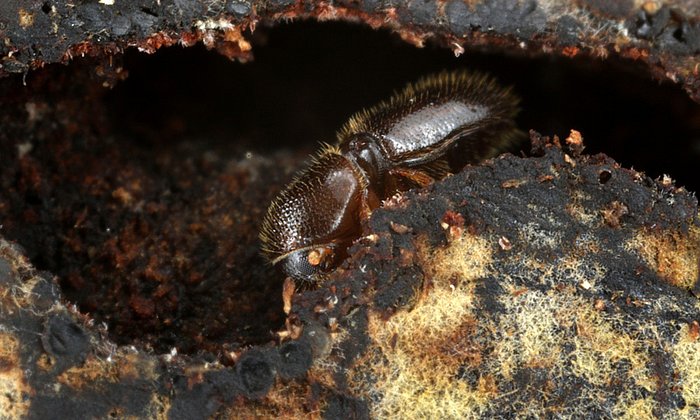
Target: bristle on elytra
pixel 467 87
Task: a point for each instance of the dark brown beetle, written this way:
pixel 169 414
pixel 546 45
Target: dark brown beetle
pixel 391 147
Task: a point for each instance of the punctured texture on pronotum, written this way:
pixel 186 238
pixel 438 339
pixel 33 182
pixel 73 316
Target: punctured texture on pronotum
pixel 406 141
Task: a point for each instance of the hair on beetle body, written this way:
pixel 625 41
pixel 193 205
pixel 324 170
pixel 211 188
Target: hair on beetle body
pixel 403 142
pixel 426 118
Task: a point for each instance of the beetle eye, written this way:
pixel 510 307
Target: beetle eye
pixel 298 265
pixel 311 264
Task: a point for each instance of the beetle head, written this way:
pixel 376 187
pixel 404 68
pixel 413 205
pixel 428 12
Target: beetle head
pixel 311 264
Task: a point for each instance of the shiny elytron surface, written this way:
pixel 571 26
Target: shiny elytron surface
pixel 430 126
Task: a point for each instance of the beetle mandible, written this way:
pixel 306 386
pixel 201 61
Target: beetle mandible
pixel 393 146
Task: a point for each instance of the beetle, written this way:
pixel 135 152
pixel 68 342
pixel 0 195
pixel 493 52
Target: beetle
pixel 400 143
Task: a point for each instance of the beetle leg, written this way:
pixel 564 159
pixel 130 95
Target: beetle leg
pixel 437 169
pixel 370 201
pixel 417 176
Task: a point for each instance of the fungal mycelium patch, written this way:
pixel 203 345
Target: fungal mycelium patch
pixel 675 256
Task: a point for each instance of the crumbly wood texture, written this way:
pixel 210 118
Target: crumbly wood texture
pixel 503 290
pixel 663 34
